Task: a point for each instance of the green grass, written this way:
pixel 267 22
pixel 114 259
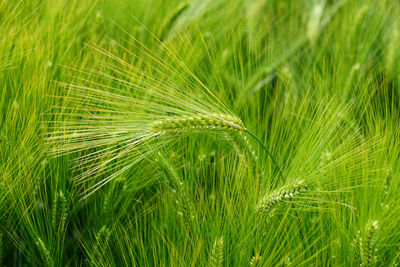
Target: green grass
pixel 317 82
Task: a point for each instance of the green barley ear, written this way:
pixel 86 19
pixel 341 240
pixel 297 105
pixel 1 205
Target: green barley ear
pixel 59 212
pixel 100 245
pixel 114 128
pixel 102 237
pixel 170 21
pixel 367 244
pixel 197 123
pixel 1 247
pixel 272 199
pixel 393 53
pixel 107 204
pixel 185 204
pixel 44 253
pixel 314 22
pixel 256 19
pixel 255 260
pixel 183 201
pixel 217 253
pixel 208 122
pixel 123 187
pixel 240 142
pixel 115 193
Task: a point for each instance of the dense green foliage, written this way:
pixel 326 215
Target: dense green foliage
pixel 317 81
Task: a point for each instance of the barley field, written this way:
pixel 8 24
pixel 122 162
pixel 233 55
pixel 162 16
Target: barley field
pixel 199 133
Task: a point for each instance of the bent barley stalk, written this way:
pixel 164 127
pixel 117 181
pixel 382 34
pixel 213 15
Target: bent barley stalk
pixel 206 122
pixel 115 130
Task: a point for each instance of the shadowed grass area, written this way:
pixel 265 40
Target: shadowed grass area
pixel 199 133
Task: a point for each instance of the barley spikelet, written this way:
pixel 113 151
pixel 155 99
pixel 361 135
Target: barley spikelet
pixel 256 18
pixel 274 198
pixel 102 237
pixel 185 205
pixel 314 22
pixel 367 244
pixel 393 54
pixel 201 122
pixel 122 188
pixel 170 21
pixel 107 204
pixel 100 246
pixel 240 142
pixel 217 253
pixel 59 212
pixel 44 253
pixel 183 201
pixel 115 193
pixel 255 260
pixel 247 145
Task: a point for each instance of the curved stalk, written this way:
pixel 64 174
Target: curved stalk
pixel 265 148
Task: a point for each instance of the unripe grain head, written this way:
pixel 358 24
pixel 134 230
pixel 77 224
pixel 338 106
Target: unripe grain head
pixel 367 244
pixel 196 123
pixel 44 253
pixel 217 253
pixel 286 193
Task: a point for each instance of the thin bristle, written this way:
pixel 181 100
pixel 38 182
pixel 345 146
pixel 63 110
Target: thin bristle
pixel 113 130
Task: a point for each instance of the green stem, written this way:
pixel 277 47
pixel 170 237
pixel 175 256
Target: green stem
pixel 265 148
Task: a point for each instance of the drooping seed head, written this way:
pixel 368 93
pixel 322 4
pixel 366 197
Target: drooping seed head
pixel 285 193
pixel 115 127
pixel 199 122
